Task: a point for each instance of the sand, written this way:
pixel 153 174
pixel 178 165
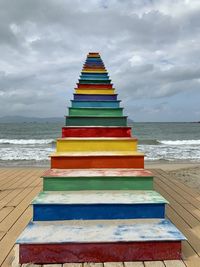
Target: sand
pixel 187 173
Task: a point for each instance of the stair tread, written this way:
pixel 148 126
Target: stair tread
pixel 84 231
pixel 99 197
pixel 96 173
pixel 96 153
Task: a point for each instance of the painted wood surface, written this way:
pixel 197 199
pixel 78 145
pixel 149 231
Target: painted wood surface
pixel 94 86
pixel 95 97
pixel 97 183
pixel 95 76
pixel 96 112
pixel 103 173
pixel 96 144
pixel 100 197
pixel 96 104
pixel 88 81
pixel 98 121
pixel 85 162
pixel 95 252
pixel 60 212
pixel 96 131
pixel 100 231
pixel 100 78
pixel 96 91
pixel 94 71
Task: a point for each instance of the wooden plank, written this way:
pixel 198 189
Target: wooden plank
pixel 134 264
pixel 154 264
pixel 8 241
pixel 72 265
pixel 113 264
pixel 91 264
pixel 174 263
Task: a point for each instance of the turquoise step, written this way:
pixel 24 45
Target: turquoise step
pixel 95 104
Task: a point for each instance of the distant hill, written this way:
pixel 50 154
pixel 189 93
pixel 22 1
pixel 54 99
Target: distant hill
pixel 21 119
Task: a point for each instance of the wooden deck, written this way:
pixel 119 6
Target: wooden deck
pixel 19 186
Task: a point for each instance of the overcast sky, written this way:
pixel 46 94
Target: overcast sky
pixel 151 49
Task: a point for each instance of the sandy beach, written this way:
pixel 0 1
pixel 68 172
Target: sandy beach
pixel 187 173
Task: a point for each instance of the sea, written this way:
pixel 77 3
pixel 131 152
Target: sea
pixel 30 144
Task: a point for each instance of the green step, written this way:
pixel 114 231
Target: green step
pixel 104 179
pixel 96 121
pixel 102 112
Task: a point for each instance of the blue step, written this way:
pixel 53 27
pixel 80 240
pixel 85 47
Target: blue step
pixel 98 205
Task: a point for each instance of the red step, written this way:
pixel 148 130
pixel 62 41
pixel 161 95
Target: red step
pixel 94 86
pixel 96 131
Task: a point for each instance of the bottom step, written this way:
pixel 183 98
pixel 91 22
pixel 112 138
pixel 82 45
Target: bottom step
pixel 99 241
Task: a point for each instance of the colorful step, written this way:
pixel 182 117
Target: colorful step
pixel 94 86
pixel 96 112
pixel 96 144
pixel 95 97
pixel 99 241
pixel 98 205
pixel 98 121
pixel 94 81
pixel 96 91
pixel 97 160
pixel 97 131
pixel 95 104
pixel 97 179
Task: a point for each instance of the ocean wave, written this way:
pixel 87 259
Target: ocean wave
pixel 179 142
pixel 27 141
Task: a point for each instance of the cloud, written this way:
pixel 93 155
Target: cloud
pixel 150 48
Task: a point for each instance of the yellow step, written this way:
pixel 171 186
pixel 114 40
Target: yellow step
pixel 96 144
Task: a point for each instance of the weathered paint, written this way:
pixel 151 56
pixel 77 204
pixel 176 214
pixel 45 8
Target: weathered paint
pixel 95 86
pixel 93 92
pixel 103 173
pixel 98 252
pixel 98 121
pixel 59 212
pixel 94 71
pixel 96 144
pixel 85 162
pixel 82 97
pixel 94 81
pixel 100 70
pixel 97 183
pixel 91 111
pixel 97 131
pixel 96 104
pixel 100 197
pixel 94 76
pixel 100 231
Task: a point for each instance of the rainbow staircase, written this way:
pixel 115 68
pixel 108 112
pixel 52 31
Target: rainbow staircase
pixel 98 203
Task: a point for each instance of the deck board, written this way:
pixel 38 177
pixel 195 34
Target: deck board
pixel 18 186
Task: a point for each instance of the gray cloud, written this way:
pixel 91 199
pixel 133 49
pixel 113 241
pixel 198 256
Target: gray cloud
pixel 150 48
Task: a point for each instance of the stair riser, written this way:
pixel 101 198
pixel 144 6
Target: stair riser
pixel 55 212
pixel 94 86
pixel 64 145
pixel 94 81
pixel 81 97
pixel 95 104
pixel 136 162
pixel 96 132
pixel 97 183
pixel 96 91
pixel 87 77
pixel 102 112
pixel 100 252
pixel 98 121
pixel 95 76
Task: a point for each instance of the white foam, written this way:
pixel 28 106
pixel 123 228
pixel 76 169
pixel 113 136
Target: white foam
pixel 26 141
pixel 180 142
